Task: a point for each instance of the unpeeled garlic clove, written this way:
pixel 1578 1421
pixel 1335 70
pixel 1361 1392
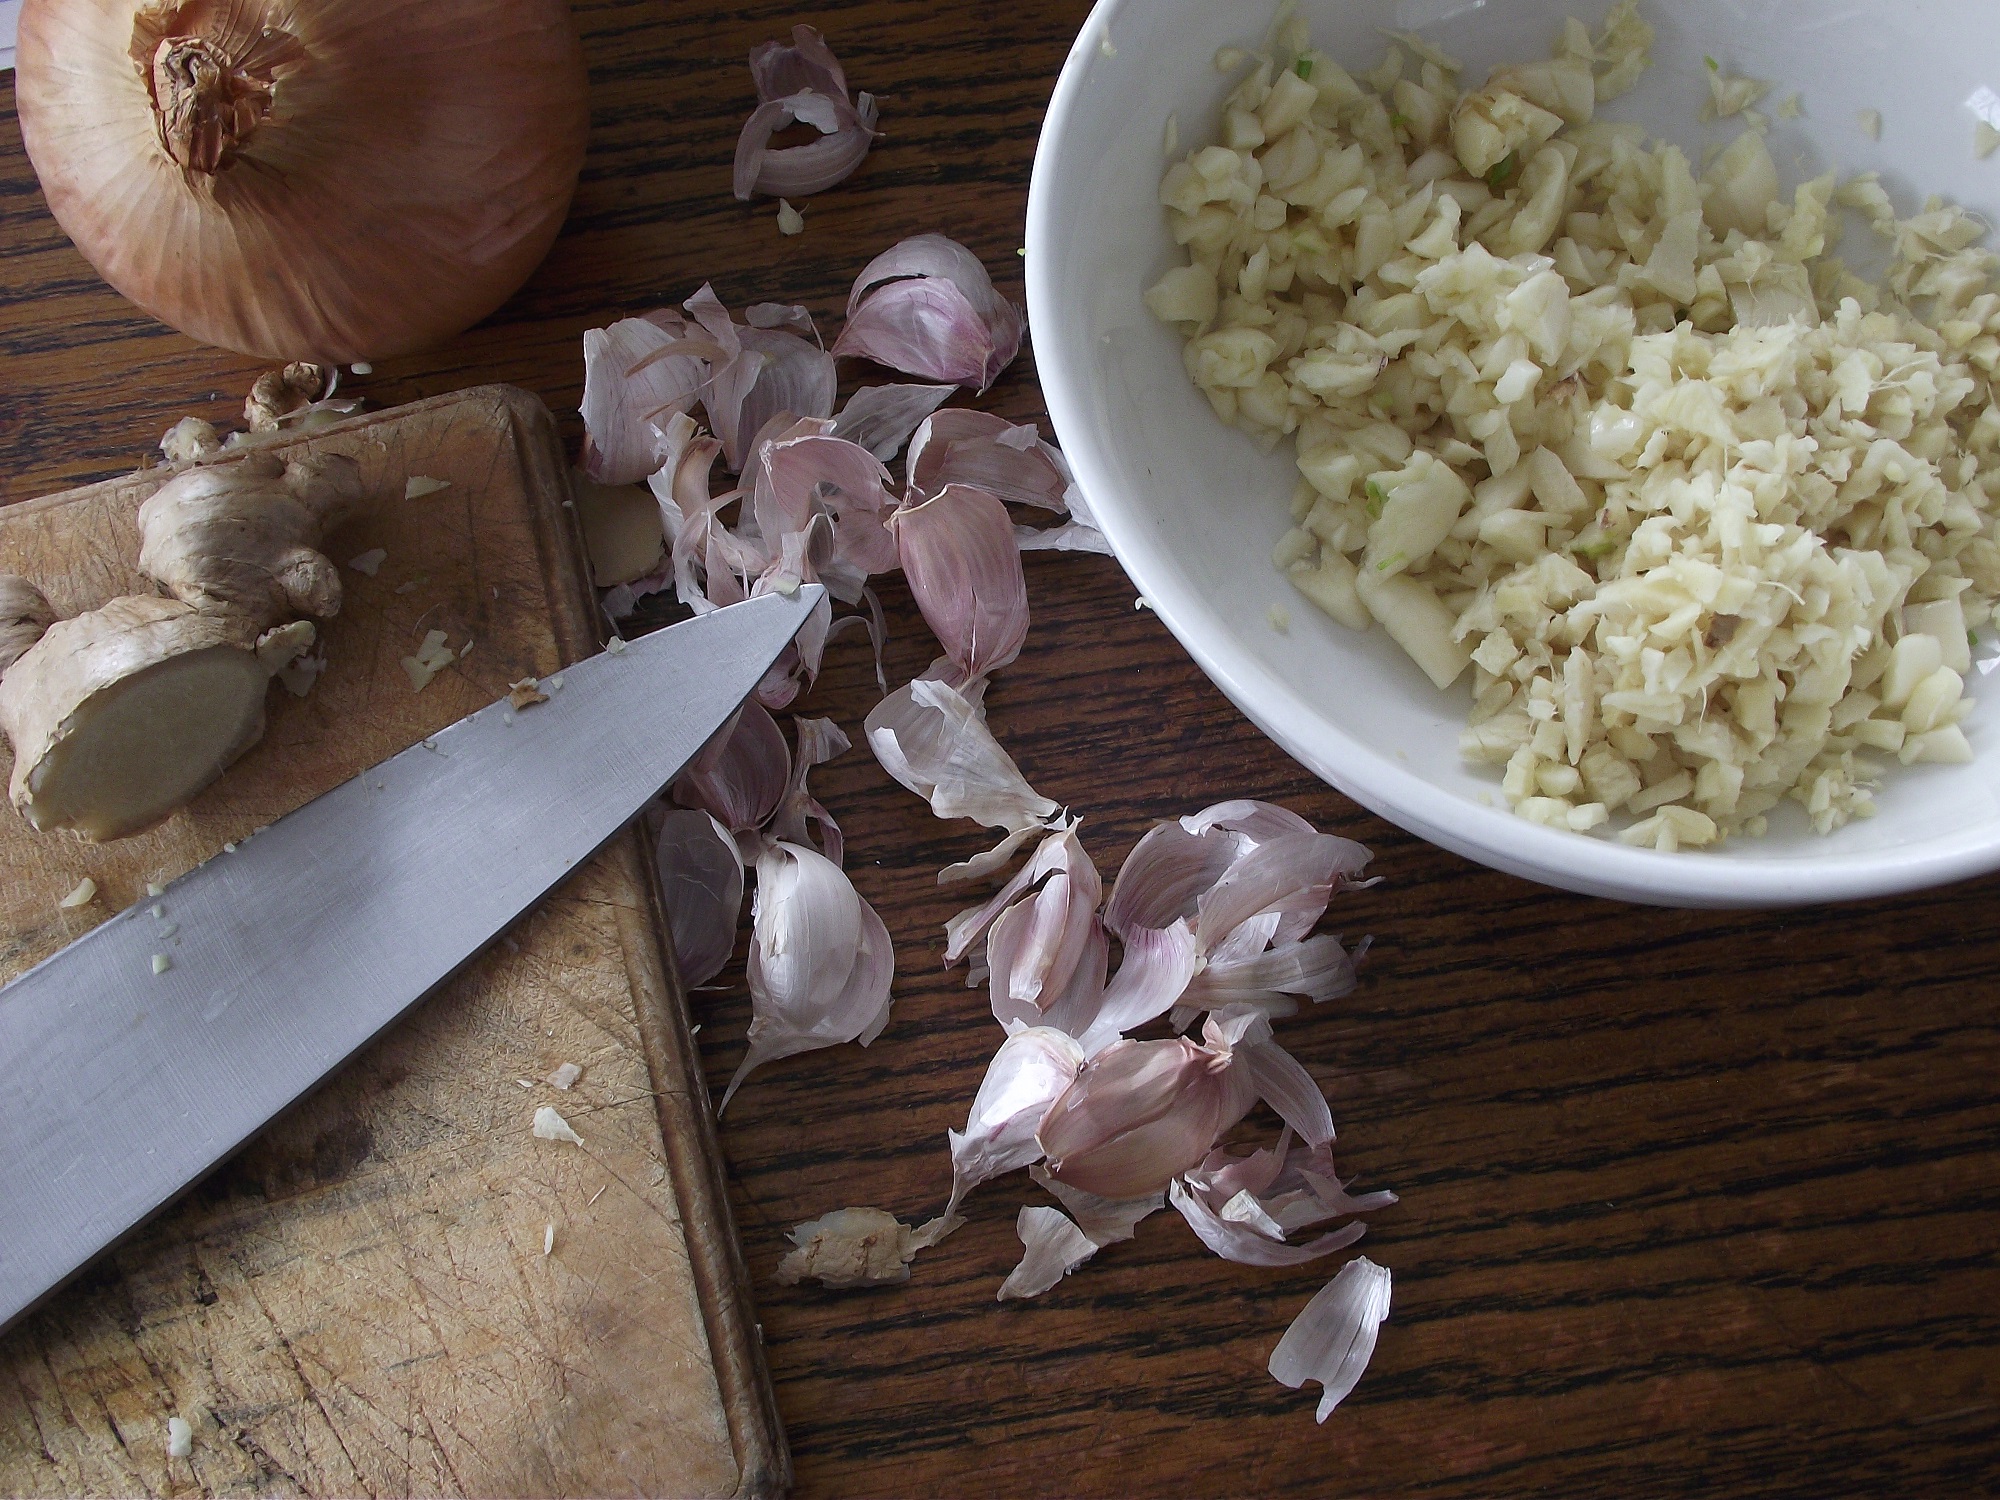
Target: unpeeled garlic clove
pixel 740 775
pixel 927 307
pixel 1139 1114
pixel 958 553
pixel 701 879
pixel 1007 460
pixel 633 382
pixel 821 961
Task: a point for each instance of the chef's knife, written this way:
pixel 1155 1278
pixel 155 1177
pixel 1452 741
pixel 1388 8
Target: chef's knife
pixel 148 1050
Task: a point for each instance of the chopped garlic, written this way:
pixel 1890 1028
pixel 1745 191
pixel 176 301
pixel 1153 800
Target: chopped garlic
pixel 1659 480
pixel 1790 107
pixel 790 220
pixel 432 657
pixel 180 1438
pixel 551 1126
pixel 83 895
pixel 616 645
pixel 565 1076
pixel 555 682
pixel 548 1238
pixel 1985 139
pixel 369 562
pixel 161 963
pixel 361 367
pixel 419 484
pixel 1871 123
pixel 525 694
pixel 1280 618
pixel 155 888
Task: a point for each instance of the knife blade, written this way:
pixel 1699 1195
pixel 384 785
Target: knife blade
pixel 151 1048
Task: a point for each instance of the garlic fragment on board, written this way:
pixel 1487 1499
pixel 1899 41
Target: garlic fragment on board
pixel 551 1126
pixel 565 1076
pixel 790 220
pixel 180 1438
pixel 83 894
pixel 431 658
pixel 1332 1339
pixel 525 694
pixel 419 485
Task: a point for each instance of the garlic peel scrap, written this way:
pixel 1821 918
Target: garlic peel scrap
pixel 1245 1243
pixel 1333 1338
pixel 927 307
pixel 633 382
pixel 1052 1247
pixel 1029 1073
pixel 1008 460
pixel 802 82
pixel 850 1247
pixel 933 739
pixel 1105 1220
pixel 551 1126
pixel 881 418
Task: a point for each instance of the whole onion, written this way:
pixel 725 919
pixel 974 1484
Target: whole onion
pixel 329 180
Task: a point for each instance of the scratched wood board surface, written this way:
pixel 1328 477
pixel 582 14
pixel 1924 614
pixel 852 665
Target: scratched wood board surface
pixel 361 1301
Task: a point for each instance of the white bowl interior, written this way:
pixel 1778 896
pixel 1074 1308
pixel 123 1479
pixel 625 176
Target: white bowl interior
pixel 1193 507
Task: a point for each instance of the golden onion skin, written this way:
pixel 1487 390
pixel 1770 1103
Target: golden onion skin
pixel 327 180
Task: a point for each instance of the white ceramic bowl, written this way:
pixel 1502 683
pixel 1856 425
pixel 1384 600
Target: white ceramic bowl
pixel 1193 507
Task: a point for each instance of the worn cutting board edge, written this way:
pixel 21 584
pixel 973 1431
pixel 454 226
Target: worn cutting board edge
pixel 663 1022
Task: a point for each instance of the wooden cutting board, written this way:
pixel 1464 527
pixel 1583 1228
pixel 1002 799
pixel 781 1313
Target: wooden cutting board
pixel 360 1302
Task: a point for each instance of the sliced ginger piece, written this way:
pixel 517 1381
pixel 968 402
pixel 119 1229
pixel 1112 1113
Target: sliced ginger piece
pixel 122 714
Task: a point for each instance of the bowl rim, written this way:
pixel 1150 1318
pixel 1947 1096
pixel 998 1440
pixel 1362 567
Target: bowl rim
pixel 1495 837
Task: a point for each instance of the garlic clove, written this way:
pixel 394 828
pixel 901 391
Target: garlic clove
pixel 957 550
pixel 1333 1338
pixel 927 307
pixel 933 738
pixel 966 932
pixel 881 418
pixel 1048 934
pixel 821 961
pixel 1030 1071
pixel 1139 1114
pixel 741 775
pixel 1242 1034
pixel 701 878
pixel 1052 1247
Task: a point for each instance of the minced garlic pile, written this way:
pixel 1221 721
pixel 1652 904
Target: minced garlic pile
pixel 1709 517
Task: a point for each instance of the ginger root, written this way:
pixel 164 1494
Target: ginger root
pixel 124 713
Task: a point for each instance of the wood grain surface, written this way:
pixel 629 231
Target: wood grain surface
pixel 368 1299
pixel 1692 1202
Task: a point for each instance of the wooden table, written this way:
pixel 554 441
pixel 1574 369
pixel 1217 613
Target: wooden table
pixel 1692 1202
